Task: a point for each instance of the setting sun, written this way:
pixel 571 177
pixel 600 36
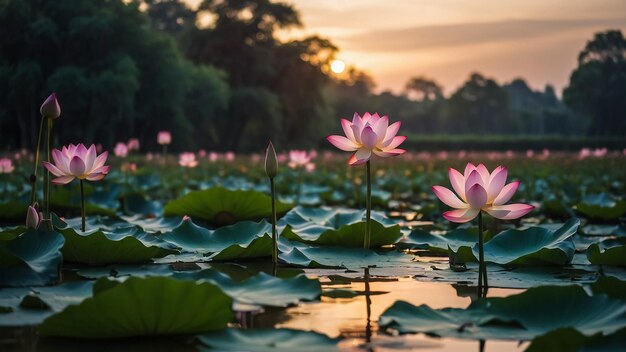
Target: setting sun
pixel 337 66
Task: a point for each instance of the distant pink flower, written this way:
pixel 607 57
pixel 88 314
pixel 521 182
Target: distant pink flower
pixel 6 166
pixel 133 144
pixel 480 190
pixel 313 153
pixel 584 152
pixel 201 153
pixel 76 161
pixel 310 167
pixel 366 135
pixel 298 158
pixel 213 157
pixel 120 150
pixel 600 152
pixel 164 138
pixel 230 156
pixel 187 160
pixel 255 158
pixel 129 167
pixel 50 107
pixel 530 153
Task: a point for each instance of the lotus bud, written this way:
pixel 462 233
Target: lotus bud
pixel 271 162
pixel 50 107
pixel 33 219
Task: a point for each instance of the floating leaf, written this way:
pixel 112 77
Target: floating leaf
pixel 602 206
pixel 338 227
pixel 221 206
pixel 120 246
pixel 534 246
pixel 32 258
pixel 338 257
pixel 263 340
pixel 420 239
pixel 608 252
pixel 568 339
pixel 518 317
pixel 143 307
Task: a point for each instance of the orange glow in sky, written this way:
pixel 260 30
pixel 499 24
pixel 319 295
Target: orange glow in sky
pixel 446 40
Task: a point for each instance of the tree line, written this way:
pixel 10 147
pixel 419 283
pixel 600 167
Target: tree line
pixel 218 78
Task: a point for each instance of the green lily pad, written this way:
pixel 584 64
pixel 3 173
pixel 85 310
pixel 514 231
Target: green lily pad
pixel 534 246
pixel 261 289
pixel 30 259
pixel 568 339
pixel 608 252
pixel 602 206
pixel 338 227
pixel 420 239
pixel 338 257
pixel 265 340
pixel 30 306
pixel 143 307
pixel 221 206
pixel 611 286
pixel 604 230
pixel 121 246
pixel 518 317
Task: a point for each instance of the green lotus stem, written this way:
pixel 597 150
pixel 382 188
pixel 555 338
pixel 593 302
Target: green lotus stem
pixel 299 189
pixel 46 181
pixel 368 205
pixel 33 176
pixel 82 206
pixel 482 268
pixel 274 236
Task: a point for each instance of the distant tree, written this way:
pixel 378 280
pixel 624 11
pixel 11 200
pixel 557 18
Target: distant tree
pixel 423 89
pixel 479 106
pixel 597 87
pixel 170 16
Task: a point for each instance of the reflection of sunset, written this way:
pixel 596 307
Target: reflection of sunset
pixel 449 40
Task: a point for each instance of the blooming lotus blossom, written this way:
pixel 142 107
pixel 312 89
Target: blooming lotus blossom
pixel 164 138
pixel 298 158
pixel 366 135
pixel 213 157
pixel 6 166
pixel 479 190
pixel 120 150
pixel 133 144
pixel 187 160
pixel 76 161
pixel 229 156
pixel 50 107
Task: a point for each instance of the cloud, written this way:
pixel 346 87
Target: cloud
pixel 437 36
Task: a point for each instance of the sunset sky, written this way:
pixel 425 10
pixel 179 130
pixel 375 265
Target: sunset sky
pixel 446 40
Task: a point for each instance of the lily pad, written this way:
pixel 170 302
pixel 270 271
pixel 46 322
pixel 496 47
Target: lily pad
pixel 420 239
pixel 338 257
pixel 262 289
pixel 518 317
pixel 602 206
pixel 263 340
pixel 221 206
pixel 534 246
pixel 608 252
pixel 243 240
pixel 143 307
pixel 32 258
pixel 338 227
pixel 120 246
pixel 568 339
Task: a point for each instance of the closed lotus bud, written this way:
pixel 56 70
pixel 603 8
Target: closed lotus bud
pixel 271 162
pixel 50 108
pixel 33 219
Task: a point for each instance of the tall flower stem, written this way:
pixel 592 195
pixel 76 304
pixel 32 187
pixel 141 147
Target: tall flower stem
pixel 274 236
pixel 368 205
pixel 82 206
pixel 46 179
pixel 33 176
pixel 482 267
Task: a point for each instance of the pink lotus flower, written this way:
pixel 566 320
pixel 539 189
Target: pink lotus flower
pixel 298 158
pixel 133 144
pixel 76 161
pixel 6 166
pixel 50 107
pixel 480 190
pixel 366 135
pixel 33 218
pixel 120 150
pixel 164 138
pixel 229 156
pixel 213 157
pixel 187 160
